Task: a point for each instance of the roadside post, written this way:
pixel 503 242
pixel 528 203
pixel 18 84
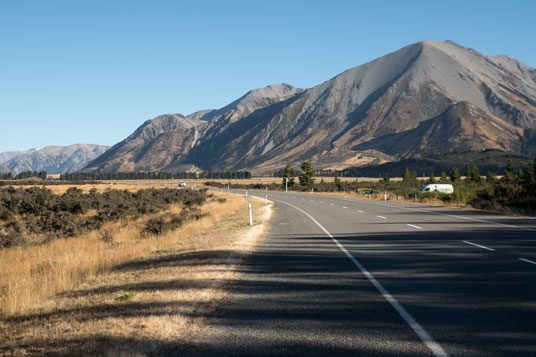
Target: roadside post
pixel 266 200
pixel 250 215
pixel 246 193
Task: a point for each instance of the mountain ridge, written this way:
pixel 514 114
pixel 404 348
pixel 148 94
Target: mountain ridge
pixel 56 159
pixel 349 119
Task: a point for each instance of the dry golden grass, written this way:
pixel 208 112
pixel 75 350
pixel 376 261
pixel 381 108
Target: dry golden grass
pixel 30 274
pixel 173 288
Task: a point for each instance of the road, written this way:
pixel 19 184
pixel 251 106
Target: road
pixel 342 276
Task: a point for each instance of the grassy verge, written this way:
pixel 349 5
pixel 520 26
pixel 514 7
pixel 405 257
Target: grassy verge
pixel 141 296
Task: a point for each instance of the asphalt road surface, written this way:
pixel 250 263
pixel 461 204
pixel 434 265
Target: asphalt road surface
pixel 340 276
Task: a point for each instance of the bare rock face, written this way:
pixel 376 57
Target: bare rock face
pixel 427 98
pixel 56 159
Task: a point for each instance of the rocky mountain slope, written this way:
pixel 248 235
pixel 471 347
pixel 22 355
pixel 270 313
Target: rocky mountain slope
pixel 426 98
pixel 8 155
pixel 3 169
pixel 56 159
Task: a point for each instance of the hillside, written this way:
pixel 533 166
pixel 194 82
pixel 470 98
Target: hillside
pixel 424 99
pixel 488 160
pixel 56 159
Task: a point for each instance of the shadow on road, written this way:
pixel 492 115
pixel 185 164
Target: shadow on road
pixel 301 296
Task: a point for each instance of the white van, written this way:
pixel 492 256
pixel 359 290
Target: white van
pixel 182 184
pixel 437 187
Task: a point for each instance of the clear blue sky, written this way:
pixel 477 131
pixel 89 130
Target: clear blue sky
pixel 93 71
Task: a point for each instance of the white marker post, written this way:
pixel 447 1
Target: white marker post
pixel 250 215
pixel 266 200
pixel 286 184
pixel 385 196
pixel 246 193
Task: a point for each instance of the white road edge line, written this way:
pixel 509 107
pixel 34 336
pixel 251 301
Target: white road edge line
pixel 382 217
pixel 527 261
pixel 414 226
pixel 478 245
pixel 435 347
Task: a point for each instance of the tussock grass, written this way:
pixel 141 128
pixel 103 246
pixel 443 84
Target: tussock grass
pixel 29 275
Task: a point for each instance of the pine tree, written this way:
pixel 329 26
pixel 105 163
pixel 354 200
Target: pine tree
pixel 444 177
pixel 455 174
pixel 306 177
pixel 432 178
pixel 509 171
pixel 288 173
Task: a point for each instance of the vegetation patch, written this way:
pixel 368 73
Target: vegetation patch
pixel 38 212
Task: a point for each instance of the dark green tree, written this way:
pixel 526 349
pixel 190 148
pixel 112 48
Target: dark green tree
pixel 408 175
pixel 288 173
pixel 474 175
pixel 491 177
pixel 386 178
pixel 509 171
pixel 444 177
pixel 432 178
pixel 455 174
pixel 307 174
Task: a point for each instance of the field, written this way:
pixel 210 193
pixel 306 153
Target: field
pixel 86 290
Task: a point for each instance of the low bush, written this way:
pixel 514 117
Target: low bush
pixel 37 210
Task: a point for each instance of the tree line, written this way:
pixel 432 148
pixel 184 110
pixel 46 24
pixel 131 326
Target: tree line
pixel 23 175
pixel 154 175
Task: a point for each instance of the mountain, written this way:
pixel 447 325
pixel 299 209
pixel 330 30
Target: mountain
pixel 164 142
pixel 427 98
pixel 3 169
pixel 158 144
pixel 488 160
pixel 8 155
pixel 56 159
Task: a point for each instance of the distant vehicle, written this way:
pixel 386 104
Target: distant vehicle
pixel 437 187
pixel 182 184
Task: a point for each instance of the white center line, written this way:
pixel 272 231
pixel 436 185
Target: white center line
pixel 435 347
pixel 344 207
pixel 527 261
pixel 311 200
pixel 382 217
pixel 414 226
pixel 478 245
pixel 360 211
pixel 321 202
pixel 333 204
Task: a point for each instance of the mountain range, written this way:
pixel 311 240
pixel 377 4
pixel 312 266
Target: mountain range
pixel 425 99
pixel 55 159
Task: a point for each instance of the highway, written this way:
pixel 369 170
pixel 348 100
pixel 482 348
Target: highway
pixel 342 276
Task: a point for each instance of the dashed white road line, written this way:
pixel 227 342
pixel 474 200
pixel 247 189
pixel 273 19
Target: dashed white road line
pixel 333 204
pixel 441 214
pixel 311 200
pixel 321 202
pixel 414 226
pixel 382 217
pixel 527 261
pixel 360 211
pixel 344 207
pixel 478 245
pixel 435 347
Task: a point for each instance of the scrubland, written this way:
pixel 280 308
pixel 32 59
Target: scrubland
pixel 122 281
